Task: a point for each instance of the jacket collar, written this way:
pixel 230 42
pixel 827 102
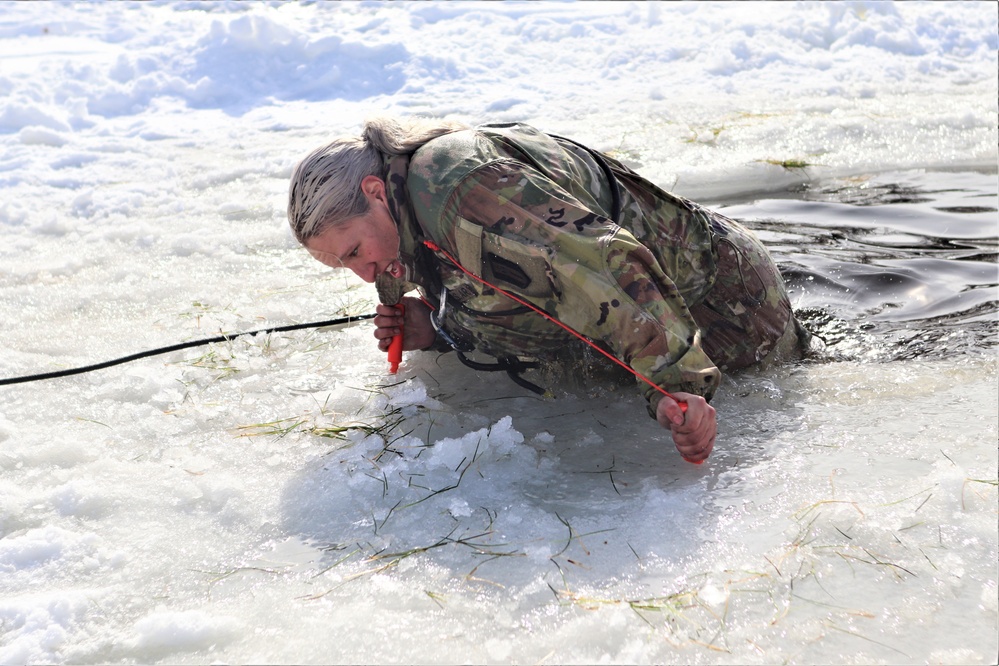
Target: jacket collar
pixel 410 233
pixel 417 262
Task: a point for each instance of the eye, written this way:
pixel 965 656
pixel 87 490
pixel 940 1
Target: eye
pixel 353 253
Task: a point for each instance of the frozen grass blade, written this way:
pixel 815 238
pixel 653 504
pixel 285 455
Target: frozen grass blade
pixel 964 486
pixel 862 637
pixel 279 428
pixel 913 495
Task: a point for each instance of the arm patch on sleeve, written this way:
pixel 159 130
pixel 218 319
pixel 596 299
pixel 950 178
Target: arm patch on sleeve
pixel 510 264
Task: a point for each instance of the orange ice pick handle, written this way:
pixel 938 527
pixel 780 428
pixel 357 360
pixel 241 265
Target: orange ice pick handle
pixel 395 347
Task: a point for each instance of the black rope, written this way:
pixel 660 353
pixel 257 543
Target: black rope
pixel 509 364
pixel 184 345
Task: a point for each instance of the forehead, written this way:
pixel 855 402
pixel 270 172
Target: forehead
pixel 331 246
pixel 330 259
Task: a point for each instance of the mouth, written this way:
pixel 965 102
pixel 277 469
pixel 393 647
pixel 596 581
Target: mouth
pixel 395 269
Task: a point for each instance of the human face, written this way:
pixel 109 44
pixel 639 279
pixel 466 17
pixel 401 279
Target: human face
pixel 366 244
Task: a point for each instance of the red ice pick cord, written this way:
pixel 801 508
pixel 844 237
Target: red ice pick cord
pixel 437 248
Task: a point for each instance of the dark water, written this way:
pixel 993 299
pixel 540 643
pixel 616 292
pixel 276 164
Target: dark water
pixel 888 267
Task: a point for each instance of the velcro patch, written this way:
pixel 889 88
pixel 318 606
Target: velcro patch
pixel 521 265
pixel 468 244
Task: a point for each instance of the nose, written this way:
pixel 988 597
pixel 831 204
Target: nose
pixel 367 272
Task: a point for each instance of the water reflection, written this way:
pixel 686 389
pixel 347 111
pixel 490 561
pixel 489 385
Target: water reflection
pixel 889 267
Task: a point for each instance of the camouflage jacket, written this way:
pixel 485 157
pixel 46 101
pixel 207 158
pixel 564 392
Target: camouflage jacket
pixel 534 215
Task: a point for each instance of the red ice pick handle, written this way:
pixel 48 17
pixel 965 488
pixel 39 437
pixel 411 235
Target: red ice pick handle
pixel 395 347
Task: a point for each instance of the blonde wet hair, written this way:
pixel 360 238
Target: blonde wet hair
pixel 325 187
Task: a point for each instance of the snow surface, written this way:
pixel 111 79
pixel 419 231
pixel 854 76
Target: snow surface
pixel 186 509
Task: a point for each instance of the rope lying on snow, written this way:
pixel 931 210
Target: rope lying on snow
pixel 184 345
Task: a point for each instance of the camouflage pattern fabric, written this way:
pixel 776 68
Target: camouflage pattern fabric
pixel 746 317
pixel 673 290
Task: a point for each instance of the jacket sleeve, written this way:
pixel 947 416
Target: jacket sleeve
pixel 595 277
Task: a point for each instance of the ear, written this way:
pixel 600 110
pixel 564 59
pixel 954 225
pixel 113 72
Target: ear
pixel 373 188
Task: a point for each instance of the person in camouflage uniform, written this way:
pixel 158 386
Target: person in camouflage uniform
pixel 676 292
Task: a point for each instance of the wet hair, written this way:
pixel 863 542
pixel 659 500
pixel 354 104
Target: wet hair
pixel 325 187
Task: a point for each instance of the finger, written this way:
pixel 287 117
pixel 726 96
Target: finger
pixel 693 421
pixel 696 447
pixel 670 409
pixel 388 310
pixel 700 419
pixel 387 332
pixel 698 453
pixel 392 315
pixel 696 459
pixel 705 453
pixel 692 448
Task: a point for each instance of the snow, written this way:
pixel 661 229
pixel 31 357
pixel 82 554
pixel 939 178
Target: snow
pixel 164 632
pixel 198 507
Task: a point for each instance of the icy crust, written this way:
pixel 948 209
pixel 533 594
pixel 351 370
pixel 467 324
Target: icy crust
pixel 489 525
pixel 704 97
